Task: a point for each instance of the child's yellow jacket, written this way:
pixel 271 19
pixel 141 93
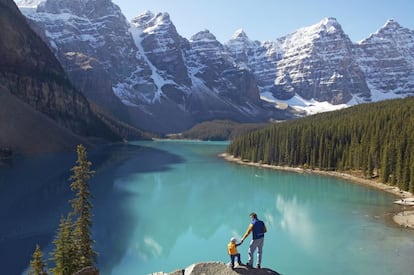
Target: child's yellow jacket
pixel 232 249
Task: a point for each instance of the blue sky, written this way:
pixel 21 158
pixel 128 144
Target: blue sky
pixel 270 19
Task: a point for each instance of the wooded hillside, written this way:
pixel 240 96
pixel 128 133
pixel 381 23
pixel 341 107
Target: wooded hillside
pixel 219 130
pixel 376 138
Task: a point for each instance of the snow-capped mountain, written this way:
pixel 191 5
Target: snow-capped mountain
pixel 315 62
pixel 387 60
pixel 260 58
pixel 161 47
pixel 167 83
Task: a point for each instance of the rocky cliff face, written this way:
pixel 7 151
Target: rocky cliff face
pixel 315 62
pixel 211 63
pixel 259 58
pixel 387 60
pixel 34 83
pixel 91 39
pixel 167 83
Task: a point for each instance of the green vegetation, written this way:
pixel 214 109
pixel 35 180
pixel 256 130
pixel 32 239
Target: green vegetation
pixel 82 209
pixel 219 130
pixel 37 265
pixel 65 255
pixel 376 139
pixel 73 243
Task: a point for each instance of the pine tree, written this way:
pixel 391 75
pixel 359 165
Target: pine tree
pixel 65 254
pixel 82 209
pixel 37 265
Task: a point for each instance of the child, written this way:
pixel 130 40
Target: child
pixel 232 250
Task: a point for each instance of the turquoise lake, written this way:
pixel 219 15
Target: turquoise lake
pixel 163 205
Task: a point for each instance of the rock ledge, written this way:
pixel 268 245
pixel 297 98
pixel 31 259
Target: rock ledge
pixel 218 268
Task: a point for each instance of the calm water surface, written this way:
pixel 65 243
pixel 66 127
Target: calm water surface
pixel 160 206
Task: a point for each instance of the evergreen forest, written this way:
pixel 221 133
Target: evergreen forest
pixel 376 139
pixel 219 130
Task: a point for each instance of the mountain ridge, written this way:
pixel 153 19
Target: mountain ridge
pixel 172 83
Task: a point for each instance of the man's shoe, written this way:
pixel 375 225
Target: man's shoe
pixel 257 266
pixel 249 265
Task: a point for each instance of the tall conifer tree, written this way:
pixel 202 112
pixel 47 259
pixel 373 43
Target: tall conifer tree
pixel 37 265
pixel 65 254
pixel 82 208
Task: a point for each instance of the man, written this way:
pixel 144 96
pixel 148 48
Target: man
pixel 259 229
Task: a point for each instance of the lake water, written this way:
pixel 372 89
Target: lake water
pixel 161 206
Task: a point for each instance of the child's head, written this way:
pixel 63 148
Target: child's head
pixel 233 240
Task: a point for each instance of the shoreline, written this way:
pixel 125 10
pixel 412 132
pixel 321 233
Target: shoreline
pixel 404 218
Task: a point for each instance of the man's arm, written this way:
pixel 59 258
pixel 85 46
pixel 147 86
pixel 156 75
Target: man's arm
pixel 249 229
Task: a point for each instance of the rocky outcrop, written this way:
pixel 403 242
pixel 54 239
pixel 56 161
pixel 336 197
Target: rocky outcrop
pixel 217 268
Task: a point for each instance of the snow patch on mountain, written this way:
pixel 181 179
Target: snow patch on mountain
pixel 31 4
pixel 159 81
pixel 308 107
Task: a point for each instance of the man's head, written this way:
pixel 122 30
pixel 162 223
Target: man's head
pixel 253 216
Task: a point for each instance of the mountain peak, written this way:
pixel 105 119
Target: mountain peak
pixel 390 28
pixel 239 34
pixel 391 24
pixel 329 24
pixel 147 19
pixel 143 18
pixel 329 21
pixel 165 16
pixel 203 35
